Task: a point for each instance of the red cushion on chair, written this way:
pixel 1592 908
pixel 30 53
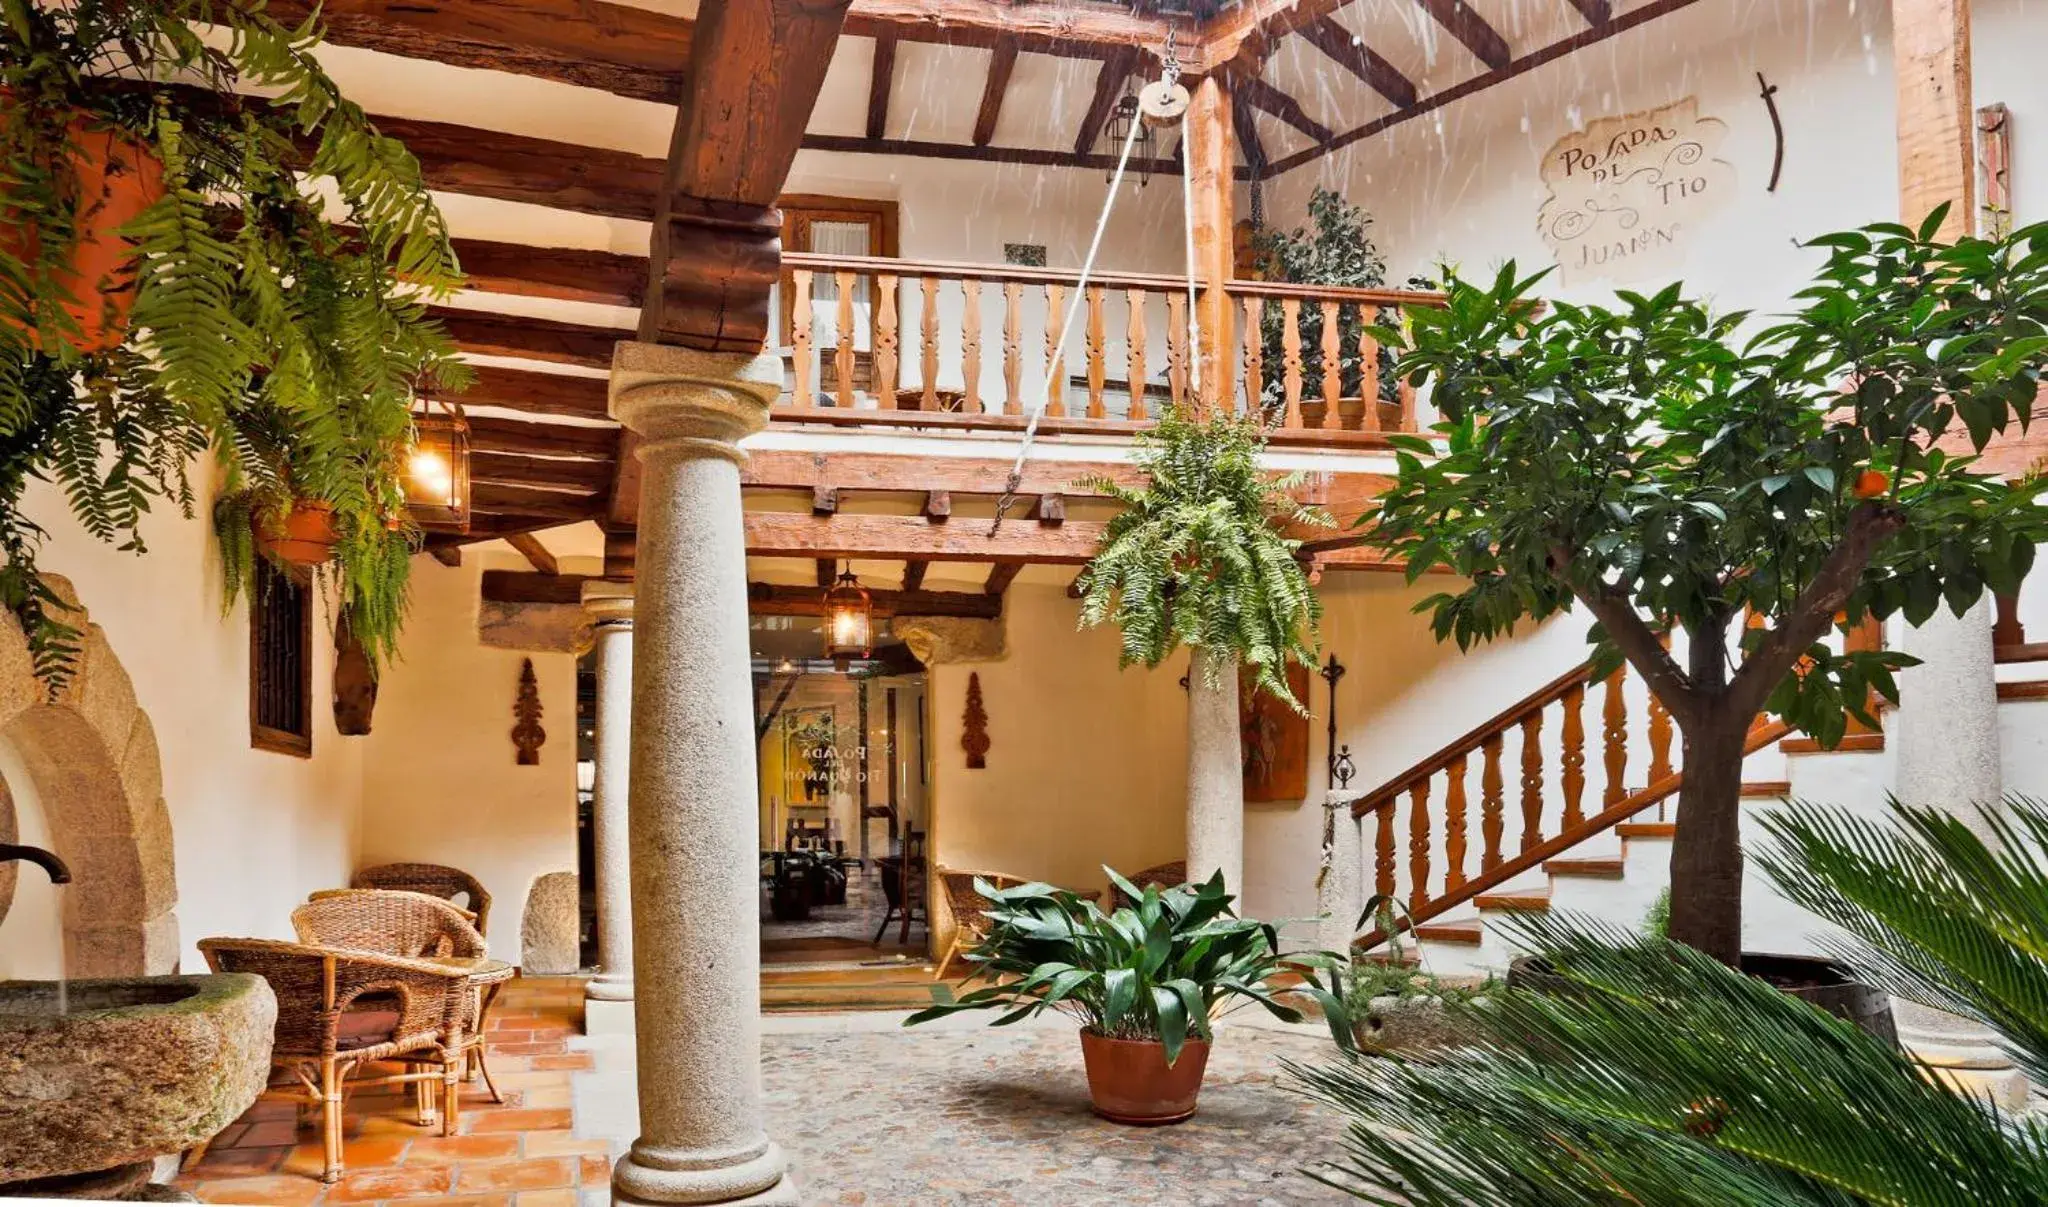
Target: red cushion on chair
pixel 365 1028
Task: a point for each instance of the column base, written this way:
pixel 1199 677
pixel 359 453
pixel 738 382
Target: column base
pixel 1961 1055
pixel 607 1016
pixel 734 1184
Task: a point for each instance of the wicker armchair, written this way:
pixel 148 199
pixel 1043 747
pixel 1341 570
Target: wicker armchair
pixel 1165 875
pixel 323 1036
pixel 391 922
pixel 969 909
pixel 434 880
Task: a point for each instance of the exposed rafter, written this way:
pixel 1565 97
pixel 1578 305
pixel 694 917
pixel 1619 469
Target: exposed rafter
pixel 1070 30
pixel 491 433
pixel 1596 12
pixel 1247 126
pixel 763 599
pixel 1464 23
pixel 1351 53
pixel 553 473
pixel 1030 156
pixel 1000 577
pixel 537 171
pixel 564 274
pixel 536 393
pixel 535 553
pixel 1264 96
pixel 1001 63
pixel 901 538
pixel 880 82
pixel 1109 82
pixel 488 334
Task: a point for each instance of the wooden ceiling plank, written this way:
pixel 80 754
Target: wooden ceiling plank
pixel 763 599
pixel 561 273
pixel 1464 23
pixel 1002 62
pixel 486 465
pixel 536 171
pixel 1041 157
pixel 1265 96
pixel 940 477
pixel 1109 83
pixel 1351 53
pixel 535 553
pixel 901 538
pixel 494 434
pixel 489 499
pixel 536 393
pixel 489 334
pixel 1066 30
pixel 880 82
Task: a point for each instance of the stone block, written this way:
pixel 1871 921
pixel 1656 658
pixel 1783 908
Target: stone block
pixel 548 934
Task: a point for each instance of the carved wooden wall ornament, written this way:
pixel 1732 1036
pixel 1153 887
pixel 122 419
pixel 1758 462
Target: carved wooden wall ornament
pixel 974 739
pixel 527 735
pixel 355 684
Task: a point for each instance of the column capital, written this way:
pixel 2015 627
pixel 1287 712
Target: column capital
pixel 697 403
pixel 608 603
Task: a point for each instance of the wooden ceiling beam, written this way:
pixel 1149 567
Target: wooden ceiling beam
pixel 535 553
pixel 913 574
pixel 763 599
pixel 1050 510
pixel 902 538
pixel 488 334
pixel 562 273
pixel 537 171
pixel 1265 96
pixel 536 393
pixel 1247 127
pixel 494 434
pixel 1348 51
pixel 1000 577
pixel 789 469
pixel 1464 23
pixel 617 48
pixel 490 499
pixel 881 80
pixel 1066 30
pixel 1042 157
pixel 1001 63
pixel 559 473
pixel 1238 39
pixel 1596 12
pixel 1109 82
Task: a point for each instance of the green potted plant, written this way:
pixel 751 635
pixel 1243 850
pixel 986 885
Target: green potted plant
pixel 1198 557
pixel 1672 471
pixel 1335 247
pixel 1145 982
pixel 172 280
pixel 1660 1076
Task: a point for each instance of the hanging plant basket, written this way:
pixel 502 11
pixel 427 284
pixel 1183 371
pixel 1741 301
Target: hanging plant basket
pixel 117 178
pixel 307 536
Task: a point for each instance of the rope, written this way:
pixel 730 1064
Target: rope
pixel 1067 331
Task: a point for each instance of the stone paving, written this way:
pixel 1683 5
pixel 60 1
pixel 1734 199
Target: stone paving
pixel 870 1114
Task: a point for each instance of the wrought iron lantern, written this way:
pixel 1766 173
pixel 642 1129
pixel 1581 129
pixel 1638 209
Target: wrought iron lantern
pixel 849 621
pixel 1126 114
pixel 437 468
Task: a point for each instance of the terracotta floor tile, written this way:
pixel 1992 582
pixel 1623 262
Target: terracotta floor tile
pixel 269 1133
pixel 442 1150
pixel 517 1121
pixel 308 1160
pixel 463 1200
pixel 577 1061
pixel 562 1144
pixel 542 1096
pixel 551 1047
pixel 230 1162
pixel 403 1182
pixel 392 1124
pixel 560 1197
pixel 541 1173
pixel 279 1190
pixel 596 1169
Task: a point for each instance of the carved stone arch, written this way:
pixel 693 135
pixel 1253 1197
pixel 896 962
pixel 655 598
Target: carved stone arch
pixel 92 755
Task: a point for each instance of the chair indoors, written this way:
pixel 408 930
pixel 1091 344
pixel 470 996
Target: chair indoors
pixel 903 887
pixel 969 909
pixel 1165 875
pixel 339 1011
pixel 433 879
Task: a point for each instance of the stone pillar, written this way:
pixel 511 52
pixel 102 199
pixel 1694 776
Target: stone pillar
pixel 1340 894
pixel 1215 773
pixel 1946 741
pixel 608 997
pixel 693 826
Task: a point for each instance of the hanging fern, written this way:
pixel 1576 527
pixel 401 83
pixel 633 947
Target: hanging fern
pixel 1197 556
pixel 256 328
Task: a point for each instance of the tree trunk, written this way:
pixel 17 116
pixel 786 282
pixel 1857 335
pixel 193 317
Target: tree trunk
pixel 1215 773
pixel 1706 857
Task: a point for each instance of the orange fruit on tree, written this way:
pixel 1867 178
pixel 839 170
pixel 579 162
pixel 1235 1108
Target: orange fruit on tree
pixel 1871 483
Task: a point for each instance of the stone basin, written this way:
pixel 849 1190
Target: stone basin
pixel 124 1071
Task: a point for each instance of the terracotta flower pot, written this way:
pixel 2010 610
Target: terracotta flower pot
pixel 117 179
pixel 1129 1080
pixel 306 538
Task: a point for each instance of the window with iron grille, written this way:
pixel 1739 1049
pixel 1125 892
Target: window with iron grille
pixel 280 663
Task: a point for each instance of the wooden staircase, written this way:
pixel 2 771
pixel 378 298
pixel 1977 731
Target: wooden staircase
pixel 1570 829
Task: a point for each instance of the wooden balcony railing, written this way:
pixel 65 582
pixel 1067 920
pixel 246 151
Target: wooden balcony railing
pixel 967 345
pixel 1542 740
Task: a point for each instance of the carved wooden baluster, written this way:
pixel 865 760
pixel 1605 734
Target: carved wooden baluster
pixel 1491 803
pixel 1454 826
pixel 1369 371
pixel 1660 746
pixel 1406 391
pixel 1418 843
pixel 1013 348
pixel 842 358
pixel 1614 733
pixel 970 344
pixel 1383 851
pixel 1134 341
pixel 1333 369
pixel 1532 781
pixel 1290 346
pixel 1574 756
pixel 800 336
pixel 1177 346
pixel 928 335
pixel 1056 371
pixel 884 384
pixel 1098 373
pixel 1254 354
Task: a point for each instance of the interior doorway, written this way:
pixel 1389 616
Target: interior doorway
pixel 844 799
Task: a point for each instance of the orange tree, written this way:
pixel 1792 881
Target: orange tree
pixel 1657 465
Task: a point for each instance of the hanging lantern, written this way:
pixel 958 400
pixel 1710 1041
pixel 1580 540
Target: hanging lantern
pixel 849 621
pixel 437 468
pixel 1127 114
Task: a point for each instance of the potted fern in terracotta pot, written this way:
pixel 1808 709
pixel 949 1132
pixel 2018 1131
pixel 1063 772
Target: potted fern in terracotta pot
pixel 1146 982
pixel 171 282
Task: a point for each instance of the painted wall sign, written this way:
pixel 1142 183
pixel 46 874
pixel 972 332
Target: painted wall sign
pixel 1627 192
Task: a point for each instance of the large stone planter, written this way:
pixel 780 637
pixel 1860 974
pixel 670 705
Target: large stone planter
pixel 1813 979
pixel 1408 1026
pixel 117 1072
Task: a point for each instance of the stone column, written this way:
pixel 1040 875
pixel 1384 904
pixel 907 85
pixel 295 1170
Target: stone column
pixel 693 827
pixel 1340 895
pixel 1946 742
pixel 608 997
pixel 1215 773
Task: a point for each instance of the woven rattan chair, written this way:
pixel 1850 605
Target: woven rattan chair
pixel 1165 875
pixel 434 880
pixel 323 1037
pixel 969 909
pixel 412 925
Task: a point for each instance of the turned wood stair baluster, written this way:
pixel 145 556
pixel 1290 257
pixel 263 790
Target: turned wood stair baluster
pixel 842 352
pixel 1177 347
pixel 800 336
pixel 1254 355
pixel 1532 781
pixel 1134 343
pixel 884 384
pixel 1333 369
pixel 1573 757
pixel 1290 345
pixel 1454 826
pixel 1492 802
pixel 1614 734
pixel 1418 844
pixel 1383 853
pixel 1369 370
